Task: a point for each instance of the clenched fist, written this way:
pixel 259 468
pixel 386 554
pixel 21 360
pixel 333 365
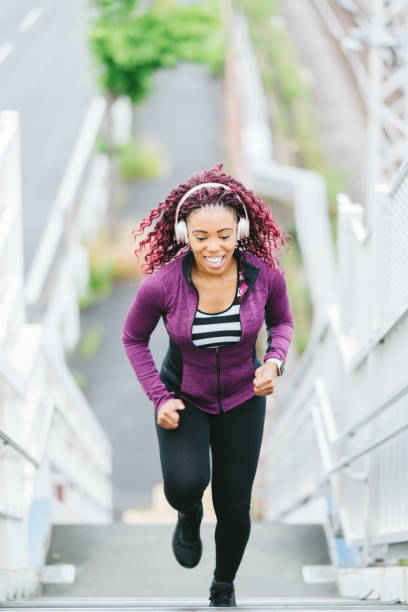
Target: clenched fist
pixel 167 415
pixel 264 378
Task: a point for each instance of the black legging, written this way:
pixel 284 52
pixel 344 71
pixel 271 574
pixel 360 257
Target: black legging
pixel 235 438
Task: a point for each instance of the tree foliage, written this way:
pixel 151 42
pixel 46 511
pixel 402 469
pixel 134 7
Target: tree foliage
pixel 130 45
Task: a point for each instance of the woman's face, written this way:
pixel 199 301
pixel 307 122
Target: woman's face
pixel 212 232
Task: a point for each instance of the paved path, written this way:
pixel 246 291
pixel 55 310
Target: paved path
pixel 45 75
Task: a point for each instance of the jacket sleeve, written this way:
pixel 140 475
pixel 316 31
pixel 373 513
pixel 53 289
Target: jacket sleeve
pixel 142 317
pixel 278 317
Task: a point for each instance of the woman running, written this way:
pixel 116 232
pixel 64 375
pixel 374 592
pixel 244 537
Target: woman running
pixel 212 274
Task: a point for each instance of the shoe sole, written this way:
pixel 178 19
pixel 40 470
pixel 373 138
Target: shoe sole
pixel 214 605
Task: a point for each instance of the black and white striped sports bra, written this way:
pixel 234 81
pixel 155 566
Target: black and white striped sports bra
pixel 211 330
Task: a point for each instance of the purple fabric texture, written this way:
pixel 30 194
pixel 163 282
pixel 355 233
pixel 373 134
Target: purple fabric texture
pixel 206 383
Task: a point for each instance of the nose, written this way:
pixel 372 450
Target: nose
pixel 213 245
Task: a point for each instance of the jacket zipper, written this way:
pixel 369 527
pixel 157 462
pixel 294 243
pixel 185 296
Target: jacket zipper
pixel 221 411
pixel 218 380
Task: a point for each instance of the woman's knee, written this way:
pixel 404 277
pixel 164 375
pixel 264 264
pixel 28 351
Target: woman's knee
pixel 184 493
pixel 233 512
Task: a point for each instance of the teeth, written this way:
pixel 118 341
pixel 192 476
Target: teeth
pixel 214 259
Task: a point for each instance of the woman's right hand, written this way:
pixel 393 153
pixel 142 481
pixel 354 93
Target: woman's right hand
pixel 167 415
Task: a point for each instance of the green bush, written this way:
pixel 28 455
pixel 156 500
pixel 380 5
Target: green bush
pixel 139 160
pixel 101 144
pixel 129 47
pixel 298 291
pixel 101 279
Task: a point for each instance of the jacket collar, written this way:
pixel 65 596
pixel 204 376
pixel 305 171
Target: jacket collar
pixel 251 271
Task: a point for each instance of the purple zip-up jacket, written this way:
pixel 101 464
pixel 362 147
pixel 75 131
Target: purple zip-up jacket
pixel 214 380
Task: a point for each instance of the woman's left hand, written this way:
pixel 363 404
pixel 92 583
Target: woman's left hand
pixel 264 379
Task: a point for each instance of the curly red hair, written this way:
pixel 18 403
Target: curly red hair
pixel 160 243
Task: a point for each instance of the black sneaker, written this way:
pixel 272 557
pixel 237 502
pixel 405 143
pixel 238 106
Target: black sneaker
pixel 186 543
pixel 222 594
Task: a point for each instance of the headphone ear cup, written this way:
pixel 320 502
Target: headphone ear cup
pixel 181 232
pixel 242 229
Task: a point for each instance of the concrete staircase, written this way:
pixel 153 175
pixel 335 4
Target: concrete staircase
pixel 137 560
pixel 131 567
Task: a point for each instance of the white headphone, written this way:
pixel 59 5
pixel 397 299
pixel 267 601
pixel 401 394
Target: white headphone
pixel 180 227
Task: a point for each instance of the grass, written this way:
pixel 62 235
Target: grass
pixel 90 342
pixel 79 379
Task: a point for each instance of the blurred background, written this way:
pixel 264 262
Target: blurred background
pixel 105 106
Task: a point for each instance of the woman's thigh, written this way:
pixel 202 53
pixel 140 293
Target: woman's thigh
pixel 236 438
pixel 185 452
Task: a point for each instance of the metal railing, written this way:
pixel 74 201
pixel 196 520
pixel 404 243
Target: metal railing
pixel 353 419
pixel 19 449
pixel 342 22
pixel 49 438
pixel 340 429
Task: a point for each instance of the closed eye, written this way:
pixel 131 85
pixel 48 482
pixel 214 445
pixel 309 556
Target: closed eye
pixel 222 238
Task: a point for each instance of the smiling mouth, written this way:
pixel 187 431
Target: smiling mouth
pixel 214 259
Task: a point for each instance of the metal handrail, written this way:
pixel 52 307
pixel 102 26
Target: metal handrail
pixel 315 338
pixel 352 429
pixel 19 449
pixel 343 463
pixel 362 352
pixel 12 376
pixel 402 173
pixel 338 32
pixel 376 337
pixel 57 227
pixel 359 423
pixel 10 516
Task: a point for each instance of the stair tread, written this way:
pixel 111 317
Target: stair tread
pixel 118 559
pixel 194 603
pixel 303 601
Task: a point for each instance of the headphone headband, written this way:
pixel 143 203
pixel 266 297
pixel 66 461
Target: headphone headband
pixel 196 188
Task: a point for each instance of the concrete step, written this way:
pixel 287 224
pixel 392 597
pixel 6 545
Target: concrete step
pixel 120 560
pixel 104 604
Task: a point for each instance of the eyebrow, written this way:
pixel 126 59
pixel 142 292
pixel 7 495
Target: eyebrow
pixel 220 230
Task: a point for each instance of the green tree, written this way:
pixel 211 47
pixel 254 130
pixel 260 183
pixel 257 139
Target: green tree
pixel 130 41
pixel 129 47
